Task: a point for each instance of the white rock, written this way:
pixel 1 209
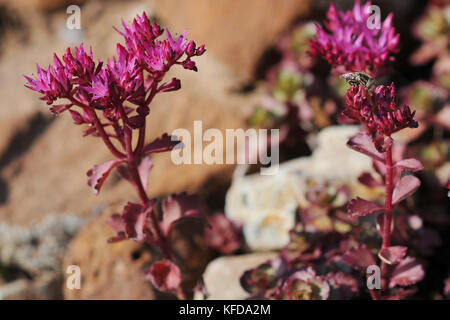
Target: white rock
pixel 266 205
pixel 222 275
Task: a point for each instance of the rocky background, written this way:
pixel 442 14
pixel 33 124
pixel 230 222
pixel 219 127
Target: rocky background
pixel 49 219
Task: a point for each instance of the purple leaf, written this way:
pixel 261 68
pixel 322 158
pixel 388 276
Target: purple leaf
pixel 359 207
pixel 165 143
pixel 359 258
pixel 223 235
pixel 165 275
pixel 368 180
pixel 144 170
pixel 343 286
pixel 135 218
pixel 411 165
pixel 404 188
pixel 117 224
pixel 362 142
pixel 406 273
pixel 392 255
pixel 179 207
pixel 98 174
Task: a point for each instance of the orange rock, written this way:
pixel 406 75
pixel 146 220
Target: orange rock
pixel 116 270
pixel 235 31
pixel 46 171
pixel 108 271
pixel 43 5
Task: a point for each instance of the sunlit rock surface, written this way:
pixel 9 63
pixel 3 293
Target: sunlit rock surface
pixel 267 205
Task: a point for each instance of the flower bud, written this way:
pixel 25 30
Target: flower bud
pixel 136 122
pixel 143 110
pixel 200 50
pixel 190 65
pixel 172 85
pixel 77 117
pixel 190 48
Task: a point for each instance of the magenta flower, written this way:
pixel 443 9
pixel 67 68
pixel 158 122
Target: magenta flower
pixel 81 65
pixel 99 87
pixel 154 55
pixel 88 84
pixel 350 40
pixel 53 83
pixel 378 110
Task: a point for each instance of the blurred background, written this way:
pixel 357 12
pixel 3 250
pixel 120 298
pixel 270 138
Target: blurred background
pixel 254 73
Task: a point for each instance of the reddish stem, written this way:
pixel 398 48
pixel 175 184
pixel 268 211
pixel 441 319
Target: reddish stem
pixel 132 166
pixel 119 133
pixel 98 125
pixel 141 138
pixel 140 143
pixel 132 160
pixel 104 135
pixel 387 211
pixel 388 202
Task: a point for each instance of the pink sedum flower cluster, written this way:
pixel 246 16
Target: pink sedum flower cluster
pixel 352 41
pixel 89 84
